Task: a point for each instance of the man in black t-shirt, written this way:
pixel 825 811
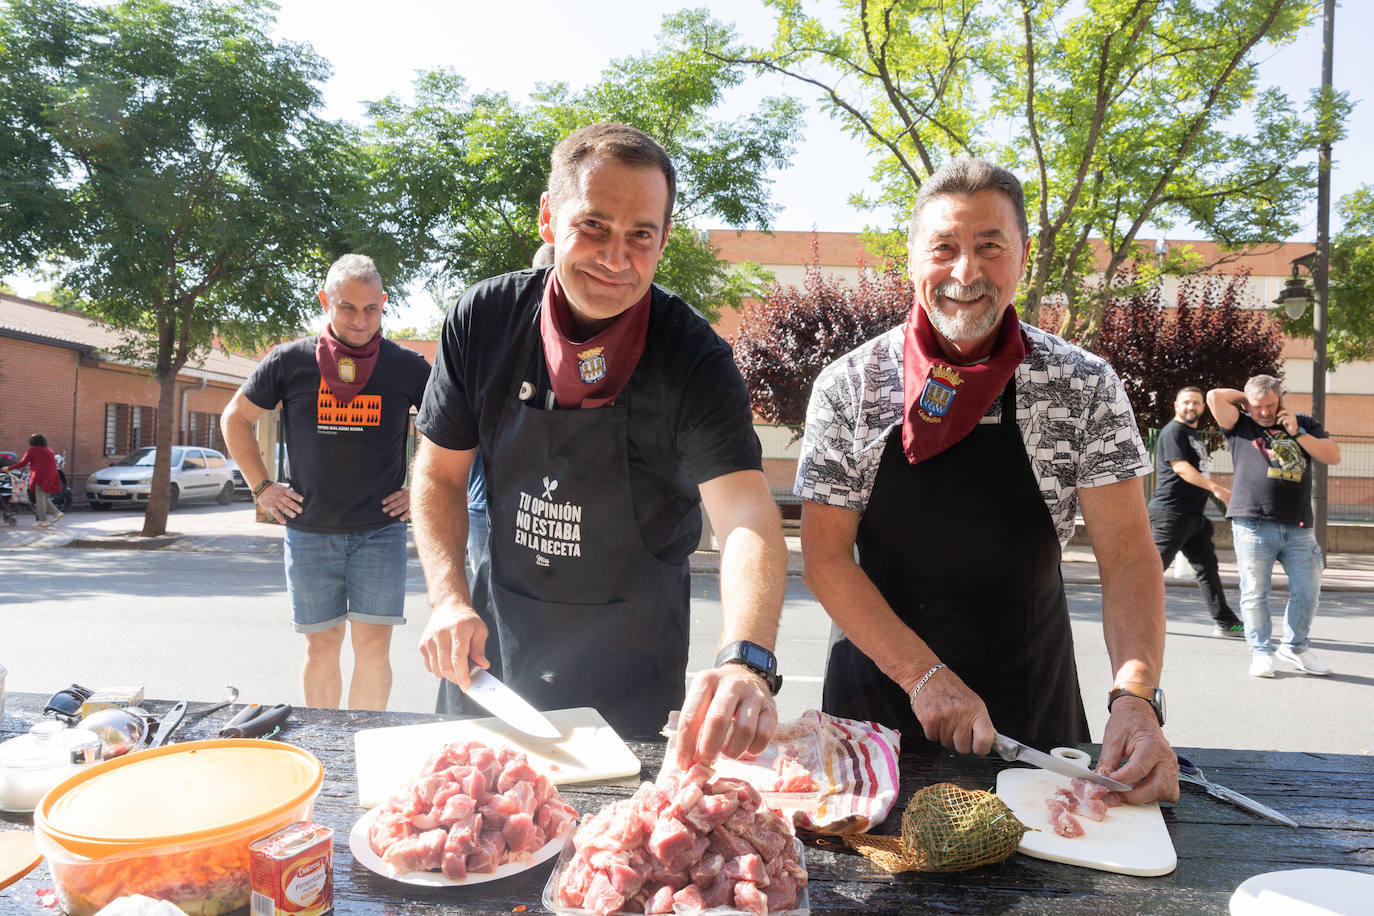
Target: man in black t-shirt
pixel 1177 521
pixel 346 397
pixel 1272 449
pixel 607 412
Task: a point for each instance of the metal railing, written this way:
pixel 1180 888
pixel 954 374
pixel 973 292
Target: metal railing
pixel 1350 484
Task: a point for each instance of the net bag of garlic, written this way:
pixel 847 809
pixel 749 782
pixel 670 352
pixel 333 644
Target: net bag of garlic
pixel 945 828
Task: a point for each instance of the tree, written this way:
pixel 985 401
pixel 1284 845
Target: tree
pixel 1217 335
pixel 467 170
pixel 195 196
pixel 1121 112
pixel 1350 294
pixel 785 340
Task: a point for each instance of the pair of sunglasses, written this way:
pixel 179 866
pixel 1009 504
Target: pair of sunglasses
pixel 66 703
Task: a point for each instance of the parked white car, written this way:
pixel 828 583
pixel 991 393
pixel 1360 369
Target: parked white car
pixel 197 473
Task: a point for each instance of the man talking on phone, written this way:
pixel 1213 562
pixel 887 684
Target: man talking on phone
pixel 1272 450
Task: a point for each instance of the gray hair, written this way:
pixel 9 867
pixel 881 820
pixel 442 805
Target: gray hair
pixel 544 256
pixel 967 175
pixel 348 268
pixel 1257 386
pixel 619 141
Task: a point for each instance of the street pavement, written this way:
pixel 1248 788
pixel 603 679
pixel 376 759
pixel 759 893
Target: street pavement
pixel 207 608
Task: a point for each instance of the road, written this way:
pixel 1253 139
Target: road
pixel 186 624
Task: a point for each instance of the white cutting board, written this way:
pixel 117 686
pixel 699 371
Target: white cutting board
pixel 1131 839
pixel 587 750
pixel 1304 892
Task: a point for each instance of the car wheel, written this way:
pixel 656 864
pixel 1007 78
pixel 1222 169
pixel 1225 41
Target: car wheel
pixel 174 498
pixel 226 495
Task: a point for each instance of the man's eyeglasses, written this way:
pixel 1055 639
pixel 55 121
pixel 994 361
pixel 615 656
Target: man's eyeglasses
pixel 66 703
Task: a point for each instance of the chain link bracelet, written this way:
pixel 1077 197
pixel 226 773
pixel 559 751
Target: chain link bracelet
pixel 922 682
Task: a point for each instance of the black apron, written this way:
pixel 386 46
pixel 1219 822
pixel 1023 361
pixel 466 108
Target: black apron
pixel 963 548
pixel 585 614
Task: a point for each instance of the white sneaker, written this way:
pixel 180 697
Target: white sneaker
pixel 42 524
pixel 1305 661
pixel 56 516
pixel 1262 665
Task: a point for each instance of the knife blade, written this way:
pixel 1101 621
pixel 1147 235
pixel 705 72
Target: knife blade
pixel 509 706
pixel 1249 804
pixel 1011 750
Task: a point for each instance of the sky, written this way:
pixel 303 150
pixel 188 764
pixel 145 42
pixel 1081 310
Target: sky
pixel 376 49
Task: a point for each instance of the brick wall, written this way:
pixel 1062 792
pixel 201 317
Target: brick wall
pixel 36 385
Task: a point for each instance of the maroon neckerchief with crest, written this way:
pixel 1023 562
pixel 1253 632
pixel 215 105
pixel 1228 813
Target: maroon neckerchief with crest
pixel 944 401
pixel 346 369
pixel 590 373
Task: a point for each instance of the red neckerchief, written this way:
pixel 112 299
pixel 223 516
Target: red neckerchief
pixel 593 372
pixel 346 369
pixel 944 401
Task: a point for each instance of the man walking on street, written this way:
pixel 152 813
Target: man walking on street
pixel 346 397
pixel 1272 449
pixel 1177 521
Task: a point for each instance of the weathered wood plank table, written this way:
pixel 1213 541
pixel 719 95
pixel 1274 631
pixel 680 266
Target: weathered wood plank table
pixel 1219 846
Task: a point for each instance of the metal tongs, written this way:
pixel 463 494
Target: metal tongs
pixel 1190 772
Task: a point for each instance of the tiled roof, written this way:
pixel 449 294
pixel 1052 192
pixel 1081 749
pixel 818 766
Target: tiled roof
pixel 46 324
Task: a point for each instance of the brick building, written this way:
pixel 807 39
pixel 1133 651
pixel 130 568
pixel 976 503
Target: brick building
pixel 59 376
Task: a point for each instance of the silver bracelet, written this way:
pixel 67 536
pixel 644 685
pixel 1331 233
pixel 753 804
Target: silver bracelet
pixel 922 682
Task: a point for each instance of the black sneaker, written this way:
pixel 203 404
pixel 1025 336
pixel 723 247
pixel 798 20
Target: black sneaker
pixel 1233 628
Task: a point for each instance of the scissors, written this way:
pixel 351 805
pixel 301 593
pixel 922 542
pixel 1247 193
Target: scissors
pixel 1190 772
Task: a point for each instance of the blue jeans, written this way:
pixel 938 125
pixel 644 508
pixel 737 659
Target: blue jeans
pixel 331 578
pixel 1258 543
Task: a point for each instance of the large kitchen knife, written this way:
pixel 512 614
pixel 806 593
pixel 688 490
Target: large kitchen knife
pixel 509 706
pixel 1012 750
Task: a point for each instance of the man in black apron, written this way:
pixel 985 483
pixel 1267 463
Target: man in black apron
pixel 951 452
pixel 603 405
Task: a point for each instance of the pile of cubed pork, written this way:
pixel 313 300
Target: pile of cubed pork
pixel 684 845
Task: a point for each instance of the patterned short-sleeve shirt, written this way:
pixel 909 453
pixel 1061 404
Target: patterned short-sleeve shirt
pixel 1075 420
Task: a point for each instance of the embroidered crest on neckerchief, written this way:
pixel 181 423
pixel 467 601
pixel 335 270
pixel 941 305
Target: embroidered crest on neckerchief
pixel 591 367
pixel 939 392
pixel 348 370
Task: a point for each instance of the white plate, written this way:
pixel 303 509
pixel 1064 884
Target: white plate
pixel 1304 892
pixel 362 854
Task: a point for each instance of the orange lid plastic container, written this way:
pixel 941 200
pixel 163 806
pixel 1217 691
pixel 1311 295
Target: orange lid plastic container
pixel 188 811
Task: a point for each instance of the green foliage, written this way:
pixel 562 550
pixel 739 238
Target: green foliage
pixel 1118 114
pixel 190 192
pixel 1350 294
pixel 466 170
pixel 1217 335
pixel 787 338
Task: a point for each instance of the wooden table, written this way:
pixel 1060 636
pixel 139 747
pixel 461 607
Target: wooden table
pixel 1219 846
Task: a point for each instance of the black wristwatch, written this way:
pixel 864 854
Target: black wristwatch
pixel 1152 695
pixel 754 657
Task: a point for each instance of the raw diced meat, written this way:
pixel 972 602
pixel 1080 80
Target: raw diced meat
pixel 1084 789
pixel 747 868
pixel 1093 809
pixel 673 843
pixel 601 896
pixel 749 899
pixel 1068 798
pixel 684 864
pixel 416 853
pixel 516 770
pixel 660 901
pixel 793 777
pixel 1064 823
pixel 688 900
pixel 446 819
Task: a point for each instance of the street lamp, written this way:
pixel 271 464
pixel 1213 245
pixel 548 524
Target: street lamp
pixel 1296 295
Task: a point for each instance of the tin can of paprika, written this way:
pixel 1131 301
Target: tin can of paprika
pixel 292 871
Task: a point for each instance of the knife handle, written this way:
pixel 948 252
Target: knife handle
pixel 255 721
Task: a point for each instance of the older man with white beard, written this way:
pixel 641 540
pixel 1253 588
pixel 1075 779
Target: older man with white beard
pixel 953 452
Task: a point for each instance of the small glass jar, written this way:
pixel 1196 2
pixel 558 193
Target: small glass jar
pixel 32 764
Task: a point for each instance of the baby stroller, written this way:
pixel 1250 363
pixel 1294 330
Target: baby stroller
pixel 14 495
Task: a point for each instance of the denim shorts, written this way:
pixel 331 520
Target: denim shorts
pixel 331 578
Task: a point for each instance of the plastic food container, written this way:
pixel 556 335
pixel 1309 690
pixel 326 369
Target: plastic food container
pixel 173 823
pixel 32 764
pixel 550 899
